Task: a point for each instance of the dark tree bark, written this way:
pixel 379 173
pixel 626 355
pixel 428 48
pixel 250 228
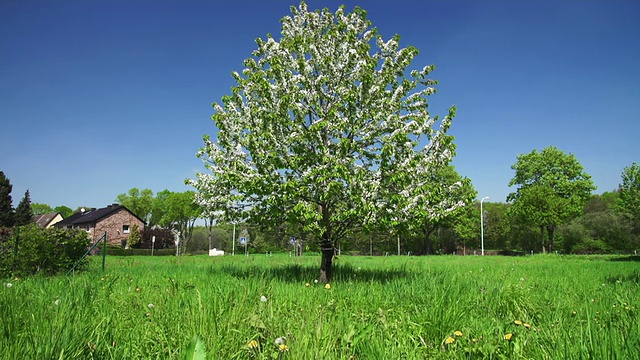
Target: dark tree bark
pixel 326 247
pixel 427 239
pixel 550 231
pixel 326 265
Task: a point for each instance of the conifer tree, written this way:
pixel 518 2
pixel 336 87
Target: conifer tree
pixel 24 214
pixel 6 207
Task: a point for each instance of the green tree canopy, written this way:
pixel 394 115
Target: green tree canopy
pixel 138 202
pixel 179 212
pixel 629 200
pixel 325 126
pixel 41 209
pixel 552 189
pixel 65 211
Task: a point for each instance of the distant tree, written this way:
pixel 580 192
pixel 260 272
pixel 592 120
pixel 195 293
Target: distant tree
pixel 6 204
pixel 65 211
pixel 41 209
pixel 158 207
pixel 612 228
pixel 552 189
pixel 23 214
pixel 467 225
pixel 447 190
pixel 325 126
pixel 629 201
pixel 138 202
pixel 180 214
pixel 496 226
pixel 600 231
pixel 597 202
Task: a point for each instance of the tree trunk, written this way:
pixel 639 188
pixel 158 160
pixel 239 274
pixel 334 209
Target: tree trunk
pixel 427 239
pixel 326 247
pixel 326 265
pixel 427 242
pixel 550 230
pixel 544 248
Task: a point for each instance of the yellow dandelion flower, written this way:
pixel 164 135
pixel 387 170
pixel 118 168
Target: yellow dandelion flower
pixel 328 286
pixel 253 344
pixel 283 347
pixel 307 284
pixel 518 322
pixel 449 340
pixel 137 289
pixel 508 337
pixel 457 333
pixel 528 326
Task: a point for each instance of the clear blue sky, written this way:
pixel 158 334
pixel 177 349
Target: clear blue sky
pixel 97 97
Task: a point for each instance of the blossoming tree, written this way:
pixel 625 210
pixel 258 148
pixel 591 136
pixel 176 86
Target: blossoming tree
pixel 328 129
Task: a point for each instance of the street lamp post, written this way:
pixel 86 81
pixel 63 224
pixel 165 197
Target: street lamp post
pixel 482 224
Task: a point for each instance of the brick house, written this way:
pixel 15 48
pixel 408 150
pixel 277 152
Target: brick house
pixel 116 220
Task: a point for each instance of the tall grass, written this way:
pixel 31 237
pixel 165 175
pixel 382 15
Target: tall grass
pixel 376 308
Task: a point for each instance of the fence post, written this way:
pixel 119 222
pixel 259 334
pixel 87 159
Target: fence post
pixel 104 249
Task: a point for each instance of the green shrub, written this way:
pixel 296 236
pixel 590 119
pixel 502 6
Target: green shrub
pixel 134 237
pixel 28 250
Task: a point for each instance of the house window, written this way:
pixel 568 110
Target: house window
pixel 125 229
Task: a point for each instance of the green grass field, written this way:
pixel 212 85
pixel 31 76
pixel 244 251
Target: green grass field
pixel 438 307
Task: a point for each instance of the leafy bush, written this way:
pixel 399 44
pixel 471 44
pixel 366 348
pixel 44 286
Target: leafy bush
pixel 592 246
pixel 573 235
pixel 27 250
pixel 164 238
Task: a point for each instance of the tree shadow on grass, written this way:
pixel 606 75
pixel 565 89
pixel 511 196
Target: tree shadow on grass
pixel 626 258
pixel 296 273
